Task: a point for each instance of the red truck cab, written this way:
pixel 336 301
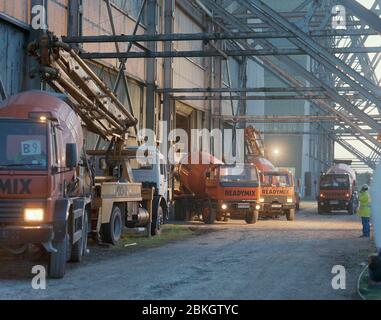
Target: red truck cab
pixel 337 188
pixel 278 194
pixel 336 192
pixel 39 142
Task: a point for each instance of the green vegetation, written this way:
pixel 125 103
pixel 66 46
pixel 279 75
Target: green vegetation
pixel 169 233
pixel 368 292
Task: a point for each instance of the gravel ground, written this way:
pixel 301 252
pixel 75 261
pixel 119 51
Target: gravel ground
pixel 274 259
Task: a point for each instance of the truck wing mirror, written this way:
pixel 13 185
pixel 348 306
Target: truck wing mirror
pixel 102 164
pixel 71 155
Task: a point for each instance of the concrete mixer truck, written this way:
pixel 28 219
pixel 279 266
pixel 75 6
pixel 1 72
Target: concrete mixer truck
pixel 277 196
pixel 53 192
pixel 215 190
pixel 337 189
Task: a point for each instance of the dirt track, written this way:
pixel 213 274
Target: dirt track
pixel 273 259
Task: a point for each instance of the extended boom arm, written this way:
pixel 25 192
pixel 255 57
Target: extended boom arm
pixel 89 96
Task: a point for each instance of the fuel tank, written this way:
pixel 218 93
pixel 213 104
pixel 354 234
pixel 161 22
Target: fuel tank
pixel 192 171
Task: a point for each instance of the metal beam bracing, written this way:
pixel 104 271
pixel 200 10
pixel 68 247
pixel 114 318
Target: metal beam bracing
pixel 75 18
pixel 280 119
pixel 366 65
pixel 256 98
pixel 290 80
pixel 122 65
pixel 212 36
pixel 258 90
pixel 215 53
pixel 151 65
pixel 363 13
pixel 3 94
pixel 316 51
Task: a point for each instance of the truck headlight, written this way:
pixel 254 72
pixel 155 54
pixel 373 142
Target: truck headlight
pixel 34 214
pixel 261 200
pixel 257 207
pixel 289 200
pixel 224 206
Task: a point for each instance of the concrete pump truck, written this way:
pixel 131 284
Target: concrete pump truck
pixel 50 194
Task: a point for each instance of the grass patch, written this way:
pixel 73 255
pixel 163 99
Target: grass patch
pixel 169 233
pixel 367 291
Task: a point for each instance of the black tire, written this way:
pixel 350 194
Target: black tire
pixel 290 215
pixel 297 206
pixel 179 210
pixel 157 222
pixel 57 260
pixel 188 212
pixel 209 214
pixel 183 211
pixel 252 216
pixel 112 231
pixel 219 217
pixel 79 248
pixel 351 209
pixel 320 210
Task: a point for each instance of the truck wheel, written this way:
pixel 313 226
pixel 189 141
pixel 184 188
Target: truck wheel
pixel 157 222
pixel 183 211
pixel 297 207
pixel 188 213
pixel 79 248
pixel 179 214
pixel 252 217
pixel 320 210
pixel 57 260
pixel 290 214
pixel 112 231
pixel 208 213
pixel 351 209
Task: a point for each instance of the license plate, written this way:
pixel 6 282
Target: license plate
pixel 334 202
pixel 276 206
pixel 243 205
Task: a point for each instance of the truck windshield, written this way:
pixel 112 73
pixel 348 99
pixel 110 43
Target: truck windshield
pixel 275 179
pixel 23 145
pixel 239 173
pixel 331 181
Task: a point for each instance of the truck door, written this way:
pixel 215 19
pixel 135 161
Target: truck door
pixel 163 189
pixel 55 158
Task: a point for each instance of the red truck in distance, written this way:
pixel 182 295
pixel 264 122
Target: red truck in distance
pixel 337 189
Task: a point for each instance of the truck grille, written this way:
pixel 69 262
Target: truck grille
pixel 275 199
pixel 11 211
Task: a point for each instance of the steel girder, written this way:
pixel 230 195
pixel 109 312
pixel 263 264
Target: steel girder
pixel 281 74
pixel 316 51
pixel 363 13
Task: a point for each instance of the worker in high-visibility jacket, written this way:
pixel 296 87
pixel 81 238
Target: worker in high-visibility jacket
pixel 364 210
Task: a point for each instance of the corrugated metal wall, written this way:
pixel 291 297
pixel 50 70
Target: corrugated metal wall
pixel 19 9
pixel 58 16
pixel 13 57
pixel 188 72
pixel 96 22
